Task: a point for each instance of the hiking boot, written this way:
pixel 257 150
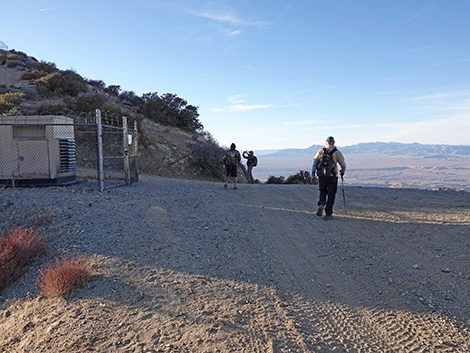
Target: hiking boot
pixel 235 188
pixel 320 210
pixel 225 186
pixel 327 217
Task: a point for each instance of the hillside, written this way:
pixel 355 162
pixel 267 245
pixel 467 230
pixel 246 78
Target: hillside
pixel 188 266
pixel 172 140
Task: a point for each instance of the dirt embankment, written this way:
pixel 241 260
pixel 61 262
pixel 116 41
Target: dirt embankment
pixel 187 266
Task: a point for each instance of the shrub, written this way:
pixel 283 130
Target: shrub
pixel 12 97
pixel 19 53
pixel 96 83
pixel 275 180
pixel 169 109
pixel 50 84
pixel 302 177
pixel 17 248
pixel 131 98
pixel 29 76
pixel 112 110
pixel 40 220
pixel 113 90
pixel 87 103
pixel 64 276
pixel 66 83
pixel 50 109
pixel 46 67
pixel 9 100
pixel 30 92
pixel 207 157
pixel 14 63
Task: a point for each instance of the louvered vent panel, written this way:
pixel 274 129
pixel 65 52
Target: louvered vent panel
pixel 67 155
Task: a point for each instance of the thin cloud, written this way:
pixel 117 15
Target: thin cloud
pixel 44 10
pixel 424 131
pixel 232 33
pixel 421 12
pixel 429 97
pixel 237 99
pixel 214 14
pixel 451 101
pixel 418 14
pixel 225 16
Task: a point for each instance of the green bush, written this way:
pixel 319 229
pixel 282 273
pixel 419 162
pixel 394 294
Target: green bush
pixel 302 177
pixel 275 180
pixel 88 103
pixel 96 83
pixel 206 157
pixel 169 109
pixel 45 67
pixel 14 63
pixel 51 109
pixel 56 84
pixel 113 90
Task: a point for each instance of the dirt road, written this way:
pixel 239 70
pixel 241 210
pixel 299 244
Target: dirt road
pixel 187 266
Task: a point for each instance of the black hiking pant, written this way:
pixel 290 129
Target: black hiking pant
pixel 328 187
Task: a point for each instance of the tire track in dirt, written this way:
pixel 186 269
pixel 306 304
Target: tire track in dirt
pixel 304 258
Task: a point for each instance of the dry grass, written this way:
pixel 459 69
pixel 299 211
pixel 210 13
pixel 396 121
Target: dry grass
pixel 40 220
pixel 62 277
pixel 17 248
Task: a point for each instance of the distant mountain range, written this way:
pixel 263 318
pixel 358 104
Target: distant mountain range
pixel 390 148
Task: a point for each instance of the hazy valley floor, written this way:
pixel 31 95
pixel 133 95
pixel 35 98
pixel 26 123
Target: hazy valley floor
pixel 188 266
pixel 382 170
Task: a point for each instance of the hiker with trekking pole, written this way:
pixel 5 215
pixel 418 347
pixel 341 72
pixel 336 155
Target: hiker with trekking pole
pixel 325 166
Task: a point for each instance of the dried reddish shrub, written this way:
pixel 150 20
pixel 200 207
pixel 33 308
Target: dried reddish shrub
pixel 62 277
pixel 17 248
pixel 30 76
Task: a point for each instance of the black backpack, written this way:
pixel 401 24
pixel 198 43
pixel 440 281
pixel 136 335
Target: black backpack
pixel 231 157
pixel 327 166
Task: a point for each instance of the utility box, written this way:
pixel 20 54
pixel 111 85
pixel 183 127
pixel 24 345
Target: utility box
pixel 37 150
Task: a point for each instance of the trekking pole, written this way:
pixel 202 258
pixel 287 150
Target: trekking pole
pixel 344 197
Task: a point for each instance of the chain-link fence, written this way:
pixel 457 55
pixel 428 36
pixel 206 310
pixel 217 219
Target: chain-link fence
pixel 94 151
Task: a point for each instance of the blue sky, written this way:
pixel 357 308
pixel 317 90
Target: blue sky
pixel 271 74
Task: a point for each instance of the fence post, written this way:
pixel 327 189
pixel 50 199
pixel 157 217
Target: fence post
pixel 125 139
pixel 99 131
pixel 136 151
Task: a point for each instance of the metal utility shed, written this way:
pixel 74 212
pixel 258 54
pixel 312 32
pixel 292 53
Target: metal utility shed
pixel 37 150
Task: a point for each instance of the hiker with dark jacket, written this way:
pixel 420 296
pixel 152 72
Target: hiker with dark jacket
pixel 325 166
pixel 231 160
pixel 251 162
